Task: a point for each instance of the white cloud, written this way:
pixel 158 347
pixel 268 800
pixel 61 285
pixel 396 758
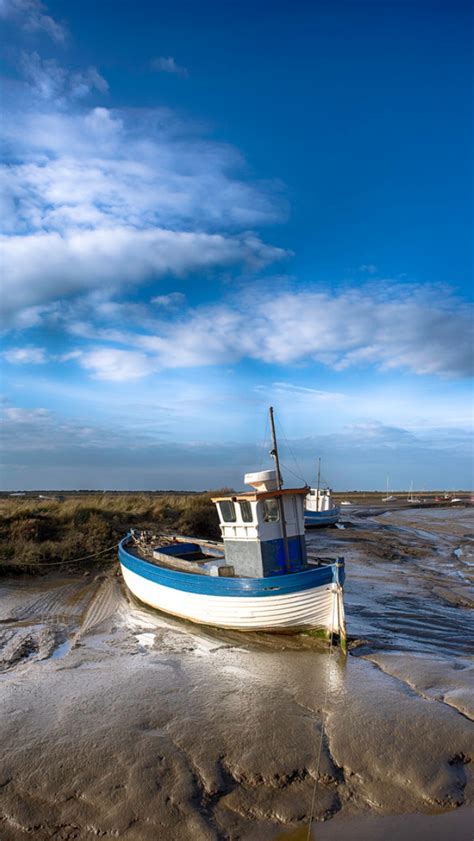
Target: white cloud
pixel 420 329
pixel 102 167
pixel 15 414
pixel 25 355
pixel 170 301
pixel 116 365
pixel 296 391
pixel 54 82
pixel 43 266
pixel 101 196
pixel 31 16
pixel 168 65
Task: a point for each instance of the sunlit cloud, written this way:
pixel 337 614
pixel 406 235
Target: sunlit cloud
pixel 116 365
pixel 386 327
pixel 43 267
pixel 98 196
pixel 25 355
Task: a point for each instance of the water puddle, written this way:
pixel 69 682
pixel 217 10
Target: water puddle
pixel 61 650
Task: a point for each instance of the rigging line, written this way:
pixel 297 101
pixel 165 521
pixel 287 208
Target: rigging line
pixel 75 560
pixel 264 439
pixel 323 722
pixel 291 453
pixel 292 472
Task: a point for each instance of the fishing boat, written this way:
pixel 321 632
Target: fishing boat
pixel 320 510
pixel 259 578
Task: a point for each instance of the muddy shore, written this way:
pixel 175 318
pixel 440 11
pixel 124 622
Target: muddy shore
pixel 120 722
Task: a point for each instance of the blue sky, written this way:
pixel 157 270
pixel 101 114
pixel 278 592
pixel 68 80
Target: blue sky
pixel 210 208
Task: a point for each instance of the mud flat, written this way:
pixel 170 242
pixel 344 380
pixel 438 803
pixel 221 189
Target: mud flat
pixel 120 722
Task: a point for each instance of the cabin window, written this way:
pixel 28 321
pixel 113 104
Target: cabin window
pixel 271 511
pixel 246 511
pixel 228 511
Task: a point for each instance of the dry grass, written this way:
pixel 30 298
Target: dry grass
pixel 34 532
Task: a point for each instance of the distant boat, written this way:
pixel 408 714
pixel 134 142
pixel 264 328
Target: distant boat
pixel 320 510
pixel 259 578
pixel 410 497
pixel 345 502
pixel 389 497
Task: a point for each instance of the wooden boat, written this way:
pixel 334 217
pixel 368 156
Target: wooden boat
pixel 320 509
pixel 260 578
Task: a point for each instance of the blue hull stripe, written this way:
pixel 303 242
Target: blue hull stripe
pixel 321 517
pixel 276 585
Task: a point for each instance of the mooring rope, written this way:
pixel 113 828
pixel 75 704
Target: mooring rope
pixel 323 722
pixel 74 560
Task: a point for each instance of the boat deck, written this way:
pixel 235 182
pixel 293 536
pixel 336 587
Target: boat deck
pixel 195 564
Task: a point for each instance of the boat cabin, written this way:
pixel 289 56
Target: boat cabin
pixel 263 530
pixel 319 499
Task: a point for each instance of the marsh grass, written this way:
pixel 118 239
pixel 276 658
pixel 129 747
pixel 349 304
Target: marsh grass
pixel 37 532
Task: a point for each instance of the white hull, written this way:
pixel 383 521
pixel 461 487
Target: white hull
pixel 316 608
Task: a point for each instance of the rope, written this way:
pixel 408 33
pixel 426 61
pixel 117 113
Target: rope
pixel 75 560
pixel 288 470
pixel 292 454
pixel 263 442
pixel 323 722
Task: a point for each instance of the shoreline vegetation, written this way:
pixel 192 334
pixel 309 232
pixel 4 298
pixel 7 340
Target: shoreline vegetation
pixel 43 530
pixel 37 534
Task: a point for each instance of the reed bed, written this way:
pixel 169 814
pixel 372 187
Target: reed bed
pixel 35 533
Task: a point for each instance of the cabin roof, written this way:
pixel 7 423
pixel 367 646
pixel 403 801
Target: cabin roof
pixel 252 496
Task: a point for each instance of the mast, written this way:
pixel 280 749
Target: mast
pixel 274 453
pixel 319 483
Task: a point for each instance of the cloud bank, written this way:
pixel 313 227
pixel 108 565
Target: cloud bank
pixel 94 196
pixel 44 450
pixel 423 330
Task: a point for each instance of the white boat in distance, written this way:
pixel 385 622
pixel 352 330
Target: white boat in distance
pixel 410 497
pixel 320 510
pixel 389 497
pixel 259 578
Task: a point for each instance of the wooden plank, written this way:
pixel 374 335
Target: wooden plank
pixel 252 496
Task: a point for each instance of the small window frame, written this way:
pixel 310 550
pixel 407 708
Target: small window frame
pixel 226 506
pixel 271 508
pixel 246 512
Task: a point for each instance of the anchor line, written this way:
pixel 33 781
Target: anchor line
pixel 323 723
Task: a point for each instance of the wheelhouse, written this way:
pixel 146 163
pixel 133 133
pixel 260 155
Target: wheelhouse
pixel 263 530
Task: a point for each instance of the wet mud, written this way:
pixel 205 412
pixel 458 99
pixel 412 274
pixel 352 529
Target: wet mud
pixel 120 722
